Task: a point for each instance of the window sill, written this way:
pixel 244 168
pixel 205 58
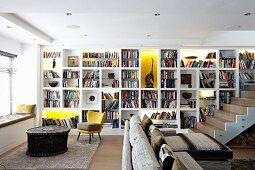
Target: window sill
pixel 15 118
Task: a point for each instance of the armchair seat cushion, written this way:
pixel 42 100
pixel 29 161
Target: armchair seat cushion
pixel 88 126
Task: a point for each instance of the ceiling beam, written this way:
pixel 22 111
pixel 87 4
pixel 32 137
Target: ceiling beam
pixel 11 17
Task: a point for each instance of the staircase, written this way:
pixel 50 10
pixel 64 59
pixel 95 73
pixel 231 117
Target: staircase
pixel 235 118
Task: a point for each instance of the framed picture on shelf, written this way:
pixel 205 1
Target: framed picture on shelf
pixel 186 79
pixel 92 98
pixel 73 61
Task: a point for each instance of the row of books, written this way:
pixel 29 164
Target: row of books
pixel 247 64
pixel 226 75
pixel 167 83
pixel 204 75
pixel 188 103
pixel 205 84
pixel 169 54
pixel 106 54
pixel 149 104
pixel 227 84
pixel 168 104
pixel 168 94
pixel 129 75
pixel 129 94
pixel 50 74
pixel 149 94
pixel 169 62
pixel 164 115
pixel 130 54
pixel 130 63
pixel 225 97
pixel 109 95
pixel 227 63
pixel 51 54
pixel 51 103
pixel 71 94
pixel 69 83
pixel 68 122
pixel 211 55
pixel 197 64
pixel 91 74
pixel 246 55
pixel 115 83
pixel 71 74
pixel 246 76
pixel 87 83
pixel 50 94
pixel 71 103
pixel 167 74
pixel 129 104
pixel 112 115
pixel 112 105
pixel 114 63
pixel 130 84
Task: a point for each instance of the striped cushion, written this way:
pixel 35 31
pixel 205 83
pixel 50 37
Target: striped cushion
pixel 143 157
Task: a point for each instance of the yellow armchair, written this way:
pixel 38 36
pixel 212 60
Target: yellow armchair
pixel 93 125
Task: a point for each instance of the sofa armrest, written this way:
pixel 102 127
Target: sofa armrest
pixel 187 161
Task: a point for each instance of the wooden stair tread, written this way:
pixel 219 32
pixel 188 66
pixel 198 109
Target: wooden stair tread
pixel 247 102
pixel 219 119
pixel 195 130
pixel 227 112
pixel 210 126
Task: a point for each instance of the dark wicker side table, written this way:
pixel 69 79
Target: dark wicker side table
pixel 47 141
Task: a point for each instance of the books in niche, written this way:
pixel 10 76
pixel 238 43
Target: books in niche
pixel 68 122
pixel 51 54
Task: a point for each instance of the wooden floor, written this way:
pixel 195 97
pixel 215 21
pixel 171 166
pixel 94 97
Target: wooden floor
pixel 108 154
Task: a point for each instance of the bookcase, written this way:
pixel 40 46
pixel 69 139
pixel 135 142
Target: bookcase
pixel 176 87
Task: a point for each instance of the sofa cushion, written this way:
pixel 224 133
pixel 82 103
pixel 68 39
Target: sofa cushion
pixel 24 108
pixel 177 143
pixel 136 132
pixel 135 119
pixel 88 126
pixel 127 126
pixel 157 140
pixel 166 158
pixel 143 157
pixel 183 161
pixel 146 123
pixel 168 131
pixel 126 153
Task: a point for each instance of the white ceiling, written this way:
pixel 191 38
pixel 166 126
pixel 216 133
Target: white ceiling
pixel 128 21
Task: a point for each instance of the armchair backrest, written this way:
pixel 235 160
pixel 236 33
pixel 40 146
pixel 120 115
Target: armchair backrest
pixel 96 117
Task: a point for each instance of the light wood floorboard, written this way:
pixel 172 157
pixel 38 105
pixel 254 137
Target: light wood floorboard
pixel 108 154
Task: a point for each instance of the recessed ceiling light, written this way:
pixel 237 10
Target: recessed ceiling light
pixel 148 35
pixel 8 26
pixel 157 14
pixel 85 35
pixel 68 14
pixel 247 14
pixel 73 26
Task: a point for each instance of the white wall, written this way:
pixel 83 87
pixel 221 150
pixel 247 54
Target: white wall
pixel 14 135
pixel 9 45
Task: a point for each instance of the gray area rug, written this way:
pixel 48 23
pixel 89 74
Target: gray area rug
pixel 78 156
pixel 243 164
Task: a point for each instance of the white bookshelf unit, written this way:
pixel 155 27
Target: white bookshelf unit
pixel 189 82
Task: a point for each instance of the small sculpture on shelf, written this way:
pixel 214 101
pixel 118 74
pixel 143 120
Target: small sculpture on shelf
pixel 54 63
pixel 149 79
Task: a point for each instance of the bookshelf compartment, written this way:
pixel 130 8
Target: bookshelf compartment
pixel 227 79
pixel 169 99
pixel 227 59
pixel 71 98
pixel 207 102
pixel 126 115
pixel 168 79
pixel 188 99
pixel 207 79
pixel 225 97
pixel 91 99
pixel 169 58
pixel 130 58
pixel 51 99
pixel 71 78
pixel 149 99
pixel 188 119
pixel 110 78
pixel 188 79
pixel 90 79
pixel 129 99
pixel 130 78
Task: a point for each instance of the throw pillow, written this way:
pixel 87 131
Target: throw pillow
pixel 146 123
pixel 151 128
pixel 157 140
pixel 24 108
pixel 166 158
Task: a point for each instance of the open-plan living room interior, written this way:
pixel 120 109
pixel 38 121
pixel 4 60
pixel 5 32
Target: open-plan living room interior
pixel 127 84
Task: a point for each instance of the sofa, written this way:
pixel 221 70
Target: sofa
pixel 146 148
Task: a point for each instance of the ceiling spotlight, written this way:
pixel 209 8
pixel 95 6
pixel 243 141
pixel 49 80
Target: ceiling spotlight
pixel 85 35
pixel 68 14
pixel 8 26
pixel 157 14
pixel 148 35
pixel 247 14
pixel 73 26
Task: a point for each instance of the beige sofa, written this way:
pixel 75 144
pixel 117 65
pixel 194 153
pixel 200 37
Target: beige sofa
pixel 138 153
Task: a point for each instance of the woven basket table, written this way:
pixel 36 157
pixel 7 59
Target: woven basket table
pixel 47 141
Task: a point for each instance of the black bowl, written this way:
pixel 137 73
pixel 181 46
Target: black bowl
pixel 53 83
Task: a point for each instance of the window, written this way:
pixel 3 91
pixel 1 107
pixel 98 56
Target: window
pixel 6 76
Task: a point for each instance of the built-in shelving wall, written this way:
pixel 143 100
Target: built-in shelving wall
pixel 190 82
